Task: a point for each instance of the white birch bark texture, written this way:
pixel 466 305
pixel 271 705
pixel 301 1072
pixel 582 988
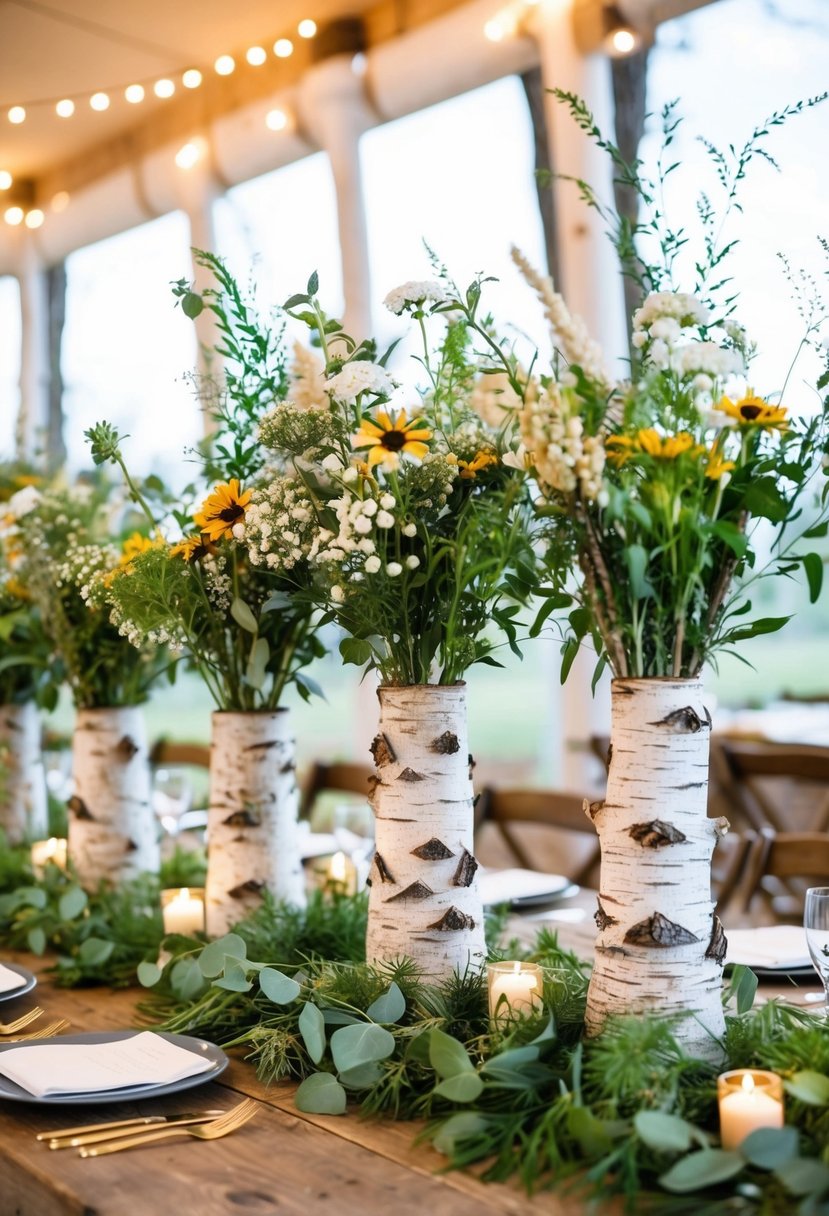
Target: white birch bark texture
pixel 24 811
pixel 113 835
pixel 660 946
pixel 424 900
pixel 252 838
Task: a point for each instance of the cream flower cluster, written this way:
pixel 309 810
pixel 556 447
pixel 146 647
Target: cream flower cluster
pixel 415 294
pixel 84 567
pixel 307 387
pixel 494 399
pixel 299 429
pixel 565 458
pixel 359 377
pixel 281 526
pixel 679 306
pixel 569 333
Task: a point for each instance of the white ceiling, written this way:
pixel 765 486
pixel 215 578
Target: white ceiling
pixel 48 51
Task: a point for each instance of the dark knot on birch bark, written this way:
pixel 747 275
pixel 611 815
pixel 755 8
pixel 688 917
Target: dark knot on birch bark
pixel 446 744
pixel 251 887
pixel 409 774
pixel 77 807
pixel 657 834
pixel 591 809
pixel 465 872
pixel 416 890
pixel 243 819
pixel 382 869
pixel 382 751
pixel 659 932
pixel 127 748
pixel 685 721
pixel 718 944
pixel 602 918
pixel 452 921
pixel 433 850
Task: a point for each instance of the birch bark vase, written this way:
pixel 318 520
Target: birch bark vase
pixel 660 947
pixel 424 900
pixel 23 803
pixel 252 839
pixel 112 830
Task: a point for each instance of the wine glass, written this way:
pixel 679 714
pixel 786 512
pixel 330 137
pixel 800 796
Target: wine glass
pixel 172 797
pixel 816 924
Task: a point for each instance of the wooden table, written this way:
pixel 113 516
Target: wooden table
pixel 283 1163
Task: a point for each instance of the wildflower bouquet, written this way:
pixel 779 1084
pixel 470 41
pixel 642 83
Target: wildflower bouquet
pixel 662 489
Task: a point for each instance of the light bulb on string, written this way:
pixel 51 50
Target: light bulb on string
pixel 34 218
pixel 65 108
pixel 307 28
pixel 6 180
pixel 60 201
pixel 99 102
pixel 224 65
pixel 256 56
pixel 17 115
pixel 276 120
pixel 134 93
pixel 13 216
pixel 189 154
pixel 164 88
pixel 192 78
pixel 283 47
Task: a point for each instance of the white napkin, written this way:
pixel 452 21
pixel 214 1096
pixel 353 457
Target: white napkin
pixel 505 886
pixel 9 980
pixel 81 1068
pixel 776 947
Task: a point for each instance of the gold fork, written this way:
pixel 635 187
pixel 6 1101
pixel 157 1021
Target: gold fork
pixel 43 1032
pixel 228 1123
pixel 25 1020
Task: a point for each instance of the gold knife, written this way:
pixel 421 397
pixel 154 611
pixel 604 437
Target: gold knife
pixel 123 1124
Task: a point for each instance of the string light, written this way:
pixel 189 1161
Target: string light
pixel 494 30
pixel 60 201
pixel 17 115
pixel 307 28
pixel 134 93
pixel 256 56
pixel 99 101
pixel 13 216
pixel 6 179
pixel 34 218
pixel 189 155
pixel 224 65
pixel 65 108
pixel 283 47
pixel 623 41
pixel 164 88
pixel 276 120
pixel 192 78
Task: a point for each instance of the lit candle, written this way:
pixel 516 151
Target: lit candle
pixel 341 875
pixel 43 851
pixel 513 988
pixel 748 1099
pixel 183 911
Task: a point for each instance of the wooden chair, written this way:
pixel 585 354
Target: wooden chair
pixel 786 856
pixel 748 771
pixel 342 777
pixel 194 755
pixel 507 809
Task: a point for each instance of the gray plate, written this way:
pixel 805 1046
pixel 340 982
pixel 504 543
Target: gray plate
pixel 219 1061
pixel 546 898
pixel 31 981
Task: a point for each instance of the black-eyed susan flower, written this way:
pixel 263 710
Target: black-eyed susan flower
pixel 471 468
pixel 193 548
pixel 222 510
pixel 717 465
pixel 752 410
pixel 390 438
pixel 134 545
pixel 649 442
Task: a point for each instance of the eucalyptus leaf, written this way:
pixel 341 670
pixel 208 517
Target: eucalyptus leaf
pixel 95 951
pixel 352 1046
pixel 212 958
pixel 804 1176
pixel 706 1167
pixel 187 979
pixel 338 1017
pixel 234 979
pixel 321 1094
pixel 667 1133
pixel 31 897
pixel 364 1076
pixel 279 988
pixel 312 1029
pixel 389 1007
pixel 465 1087
pixel 36 939
pixel 463 1126
pixel 447 1056
pixel 243 616
pixel 72 903
pixel 809 1087
pixel 148 974
pixel 770 1147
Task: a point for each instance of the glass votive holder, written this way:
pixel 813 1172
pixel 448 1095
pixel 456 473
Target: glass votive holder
pixel 749 1098
pixel 183 910
pixel 514 988
pixel 338 875
pixel 44 851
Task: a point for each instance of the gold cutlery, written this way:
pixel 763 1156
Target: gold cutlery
pixel 25 1019
pixel 43 1032
pixel 76 1137
pixel 228 1123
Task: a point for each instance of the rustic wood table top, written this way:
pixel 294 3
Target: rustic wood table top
pixel 283 1163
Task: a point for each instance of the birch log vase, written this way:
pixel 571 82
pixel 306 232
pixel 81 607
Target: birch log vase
pixel 424 900
pixel 660 947
pixel 24 810
pixel 112 830
pixel 252 839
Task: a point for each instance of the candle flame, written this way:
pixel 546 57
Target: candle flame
pixel 748 1083
pixel 516 967
pixel 337 868
pixel 184 893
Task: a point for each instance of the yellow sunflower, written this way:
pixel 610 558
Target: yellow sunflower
pixel 390 438
pixel 752 410
pixel 17 590
pixel 134 545
pixel 717 466
pixel 222 509
pixel 470 468
pixel 193 548
pixel 649 442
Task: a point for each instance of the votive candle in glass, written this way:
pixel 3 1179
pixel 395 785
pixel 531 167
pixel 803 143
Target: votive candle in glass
pixel 183 910
pixel 513 988
pixel 43 851
pixel 340 875
pixel 749 1098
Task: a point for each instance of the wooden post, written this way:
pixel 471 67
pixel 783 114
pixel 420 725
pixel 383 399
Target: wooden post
pixel 34 351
